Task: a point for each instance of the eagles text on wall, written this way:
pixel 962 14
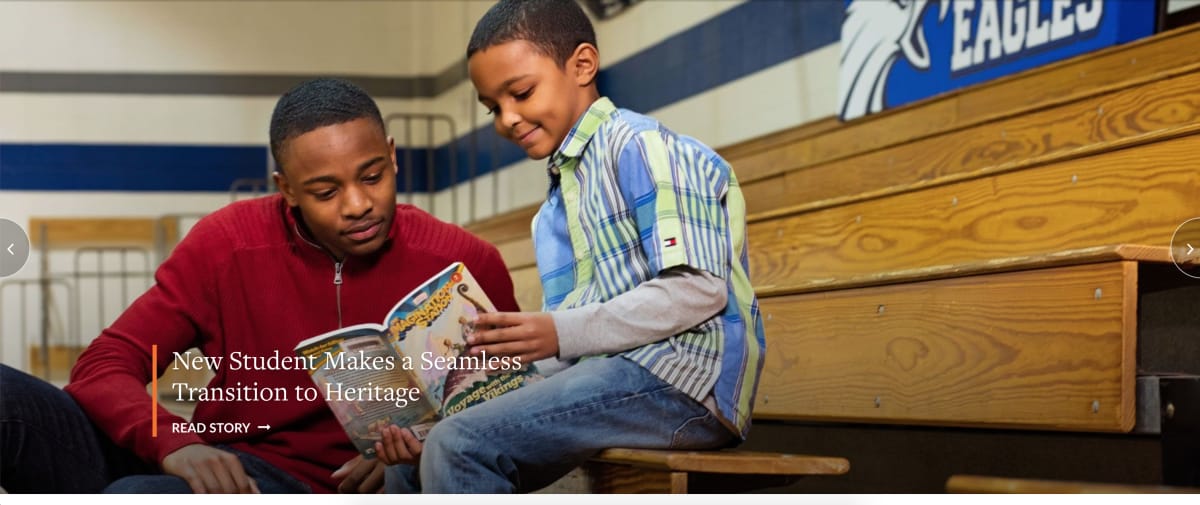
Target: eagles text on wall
pixel 897 51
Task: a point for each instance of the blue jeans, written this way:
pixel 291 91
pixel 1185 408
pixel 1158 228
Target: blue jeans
pixel 525 440
pixel 48 445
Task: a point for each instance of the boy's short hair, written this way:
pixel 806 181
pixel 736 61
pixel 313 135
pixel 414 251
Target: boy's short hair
pixel 555 27
pixel 318 103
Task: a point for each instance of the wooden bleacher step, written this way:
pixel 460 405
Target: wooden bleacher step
pixel 976 484
pixel 61 359
pixel 1089 127
pixel 664 471
pixel 1019 118
pixel 1042 342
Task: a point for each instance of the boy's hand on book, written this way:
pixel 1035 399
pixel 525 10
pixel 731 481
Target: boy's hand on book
pixel 209 470
pixel 530 336
pixel 398 447
pixel 360 476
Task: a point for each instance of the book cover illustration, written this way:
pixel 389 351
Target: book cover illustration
pixel 357 371
pixel 431 326
pixel 416 368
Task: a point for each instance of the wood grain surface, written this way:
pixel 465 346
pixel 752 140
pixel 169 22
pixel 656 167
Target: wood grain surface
pixel 1045 349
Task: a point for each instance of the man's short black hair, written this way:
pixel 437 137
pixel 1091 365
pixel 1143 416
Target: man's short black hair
pixel 555 27
pixel 315 104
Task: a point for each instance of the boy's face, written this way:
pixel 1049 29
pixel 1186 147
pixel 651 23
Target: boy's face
pixel 534 102
pixel 343 179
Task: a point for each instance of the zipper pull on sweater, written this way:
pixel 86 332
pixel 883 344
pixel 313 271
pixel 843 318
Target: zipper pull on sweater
pixel 337 286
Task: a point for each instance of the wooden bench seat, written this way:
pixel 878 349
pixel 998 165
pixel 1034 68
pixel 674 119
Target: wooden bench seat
pixel 977 484
pixel 662 471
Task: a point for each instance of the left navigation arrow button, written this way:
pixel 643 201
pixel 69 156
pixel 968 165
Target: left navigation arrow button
pixel 16 247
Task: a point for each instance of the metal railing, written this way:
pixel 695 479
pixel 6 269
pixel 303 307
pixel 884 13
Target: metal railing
pixel 405 128
pixel 46 315
pixel 113 277
pixel 101 276
pixel 407 163
pixel 255 187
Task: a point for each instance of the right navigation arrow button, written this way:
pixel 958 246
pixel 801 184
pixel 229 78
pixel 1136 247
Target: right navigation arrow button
pixel 1185 248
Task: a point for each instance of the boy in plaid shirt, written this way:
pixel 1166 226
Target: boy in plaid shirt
pixel 641 251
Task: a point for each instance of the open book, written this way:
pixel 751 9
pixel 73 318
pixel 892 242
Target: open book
pixel 415 368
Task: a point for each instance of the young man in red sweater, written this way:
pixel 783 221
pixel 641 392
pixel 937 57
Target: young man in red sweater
pixel 251 280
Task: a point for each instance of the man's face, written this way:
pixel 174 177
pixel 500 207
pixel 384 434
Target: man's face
pixel 534 102
pixel 343 179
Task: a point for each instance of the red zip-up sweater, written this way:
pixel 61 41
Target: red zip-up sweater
pixel 245 279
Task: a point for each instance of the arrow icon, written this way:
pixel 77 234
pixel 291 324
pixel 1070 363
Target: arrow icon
pixel 264 426
pixel 10 246
pixel 1190 249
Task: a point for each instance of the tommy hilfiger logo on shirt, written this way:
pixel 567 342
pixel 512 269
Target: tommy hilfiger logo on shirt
pixel 669 242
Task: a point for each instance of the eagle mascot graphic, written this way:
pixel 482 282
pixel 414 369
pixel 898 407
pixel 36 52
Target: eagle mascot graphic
pixel 874 34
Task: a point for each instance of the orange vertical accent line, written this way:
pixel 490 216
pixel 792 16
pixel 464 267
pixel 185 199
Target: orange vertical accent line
pixel 154 391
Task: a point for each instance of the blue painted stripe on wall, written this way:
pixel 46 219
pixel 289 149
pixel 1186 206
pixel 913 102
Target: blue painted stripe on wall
pixel 740 41
pixel 491 152
pixel 127 167
pixel 121 167
pixel 736 43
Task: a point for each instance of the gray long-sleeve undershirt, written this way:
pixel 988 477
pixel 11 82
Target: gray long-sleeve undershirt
pixel 678 299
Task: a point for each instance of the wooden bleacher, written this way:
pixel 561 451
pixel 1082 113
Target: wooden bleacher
pixel 977 283
pixel 977 484
pixel 679 472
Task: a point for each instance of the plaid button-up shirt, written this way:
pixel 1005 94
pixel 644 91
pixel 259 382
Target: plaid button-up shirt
pixel 630 199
